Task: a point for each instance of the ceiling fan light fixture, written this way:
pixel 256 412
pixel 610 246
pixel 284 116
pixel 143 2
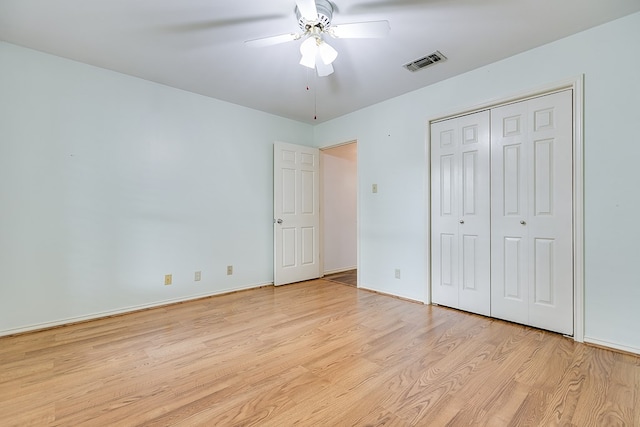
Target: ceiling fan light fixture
pixel 323 69
pixel 309 47
pixel 327 53
pixel 308 61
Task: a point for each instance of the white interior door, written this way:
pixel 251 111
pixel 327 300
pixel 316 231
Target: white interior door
pixel 531 219
pixel 296 213
pixel 460 213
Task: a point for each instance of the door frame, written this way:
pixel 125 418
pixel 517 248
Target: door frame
pixel 577 85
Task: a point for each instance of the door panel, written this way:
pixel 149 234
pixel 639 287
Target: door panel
pixel 308 245
pixel 444 213
pixel 532 272
pixel 445 268
pixel 460 213
pixel 543 177
pixel 474 221
pixel 551 224
pixel 543 276
pixel 469 179
pixel 512 180
pixel 308 195
pixel 512 281
pixel 447 194
pixel 288 191
pixel 296 213
pixel 288 236
pixel 469 262
pixel 448 263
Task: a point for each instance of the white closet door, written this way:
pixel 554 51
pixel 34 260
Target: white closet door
pixel 531 218
pixel 460 215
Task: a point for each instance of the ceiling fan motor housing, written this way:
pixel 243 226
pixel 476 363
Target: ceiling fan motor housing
pixel 325 12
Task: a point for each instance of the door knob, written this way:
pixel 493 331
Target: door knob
pixel 462 221
pixel 523 222
pixel 279 221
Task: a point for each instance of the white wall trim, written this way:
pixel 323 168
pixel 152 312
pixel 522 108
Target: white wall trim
pixel 578 208
pixel 577 85
pixel 569 83
pixel 611 345
pixel 397 296
pixel 321 230
pixel 427 194
pixel 126 310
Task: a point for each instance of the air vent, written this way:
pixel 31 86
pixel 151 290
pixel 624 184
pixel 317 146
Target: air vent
pixel 423 62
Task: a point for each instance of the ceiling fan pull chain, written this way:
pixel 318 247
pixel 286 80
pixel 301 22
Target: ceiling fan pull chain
pixel 315 97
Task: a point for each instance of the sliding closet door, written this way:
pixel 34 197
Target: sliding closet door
pixel 531 218
pixel 460 216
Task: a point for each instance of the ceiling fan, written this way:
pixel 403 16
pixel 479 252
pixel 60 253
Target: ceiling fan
pixel 314 18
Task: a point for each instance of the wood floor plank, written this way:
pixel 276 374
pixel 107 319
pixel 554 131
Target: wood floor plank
pixel 312 353
pixel 607 399
pixel 564 398
pixel 635 378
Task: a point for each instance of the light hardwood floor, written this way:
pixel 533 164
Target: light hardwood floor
pixel 313 353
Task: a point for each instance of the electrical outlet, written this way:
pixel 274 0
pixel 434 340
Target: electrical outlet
pixel 374 188
pixel 167 279
pixel 229 270
pixel 197 276
pixel 397 273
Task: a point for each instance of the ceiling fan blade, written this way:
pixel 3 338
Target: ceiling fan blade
pixel 210 24
pixel 308 9
pixel 377 5
pixel 270 41
pixel 360 30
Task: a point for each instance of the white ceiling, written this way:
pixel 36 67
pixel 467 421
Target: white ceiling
pixel 197 45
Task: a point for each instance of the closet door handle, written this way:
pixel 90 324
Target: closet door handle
pixel 462 221
pixel 523 222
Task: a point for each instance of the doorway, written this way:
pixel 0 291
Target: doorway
pixel 339 213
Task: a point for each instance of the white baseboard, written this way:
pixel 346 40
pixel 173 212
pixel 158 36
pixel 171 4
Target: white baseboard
pixel 391 295
pixel 611 345
pixel 131 309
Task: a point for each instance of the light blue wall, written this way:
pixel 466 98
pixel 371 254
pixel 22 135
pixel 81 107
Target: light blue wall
pixel 391 148
pixel 109 182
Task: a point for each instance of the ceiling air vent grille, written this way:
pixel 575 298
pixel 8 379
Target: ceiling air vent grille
pixel 423 62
